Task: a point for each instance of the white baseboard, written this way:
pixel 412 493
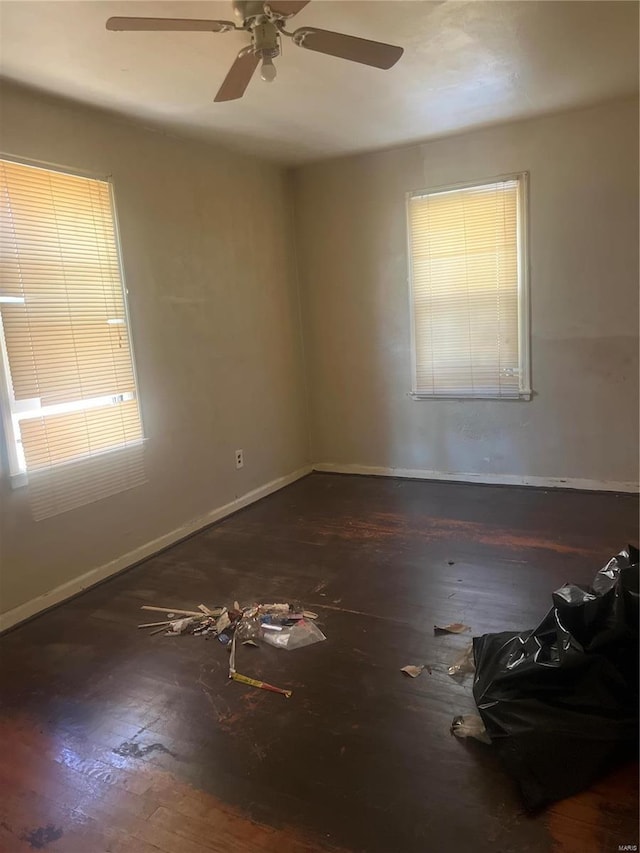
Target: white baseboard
pixel 488 479
pixel 94 576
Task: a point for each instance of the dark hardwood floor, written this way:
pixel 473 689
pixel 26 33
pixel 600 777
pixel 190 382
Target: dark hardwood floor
pixel 113 740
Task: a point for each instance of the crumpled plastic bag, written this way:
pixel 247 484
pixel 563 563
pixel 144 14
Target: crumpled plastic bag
pixel 560 702
pixel 463 664
pixel 180 626
pixel 248 628
pixel 470 725
pixel 303 633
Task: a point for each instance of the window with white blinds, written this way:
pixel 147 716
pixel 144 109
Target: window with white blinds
pixel 469 299
pixel 68 382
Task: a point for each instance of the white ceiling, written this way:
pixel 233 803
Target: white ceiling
pixel 466 63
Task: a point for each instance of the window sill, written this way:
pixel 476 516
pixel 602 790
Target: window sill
pixel 524 395
pixel 19 480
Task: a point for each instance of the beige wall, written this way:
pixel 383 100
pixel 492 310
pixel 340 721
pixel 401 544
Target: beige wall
pixel 208 255
pixel 582 422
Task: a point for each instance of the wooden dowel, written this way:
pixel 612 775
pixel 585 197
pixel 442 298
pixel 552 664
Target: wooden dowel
pixel 171 610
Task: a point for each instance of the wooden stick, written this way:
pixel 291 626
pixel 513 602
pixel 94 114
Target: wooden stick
pixel 252 682
pixel 172 610
pixel 153 624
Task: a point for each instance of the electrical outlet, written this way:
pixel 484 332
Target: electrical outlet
pixel 239 459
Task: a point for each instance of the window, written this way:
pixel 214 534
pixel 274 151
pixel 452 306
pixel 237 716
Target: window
pixel 469 297
pixel 68 388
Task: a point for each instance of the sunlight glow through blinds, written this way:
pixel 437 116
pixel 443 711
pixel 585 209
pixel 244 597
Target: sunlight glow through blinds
pixel 465 277
pixel 71 382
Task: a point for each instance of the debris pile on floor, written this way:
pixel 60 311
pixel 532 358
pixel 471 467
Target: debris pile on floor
pixel 460 667
pixel 282 625
pixel 559 702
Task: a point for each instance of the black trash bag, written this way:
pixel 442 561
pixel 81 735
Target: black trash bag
pixel 560 703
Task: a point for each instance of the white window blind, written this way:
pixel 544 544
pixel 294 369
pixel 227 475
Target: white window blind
pixel 69 382
pixel 468 291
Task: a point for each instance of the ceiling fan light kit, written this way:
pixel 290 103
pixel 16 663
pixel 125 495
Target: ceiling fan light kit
pixel 265 22
pixel 266 46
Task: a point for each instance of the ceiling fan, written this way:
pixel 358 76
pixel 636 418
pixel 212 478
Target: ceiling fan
pixel 266 21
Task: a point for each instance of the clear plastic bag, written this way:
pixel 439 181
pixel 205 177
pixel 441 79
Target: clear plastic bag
pixel 470 725
pixel 463 663
pixel 303 633
pixel 248 628
pixel 182 626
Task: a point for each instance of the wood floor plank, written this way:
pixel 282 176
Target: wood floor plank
pixel 171 842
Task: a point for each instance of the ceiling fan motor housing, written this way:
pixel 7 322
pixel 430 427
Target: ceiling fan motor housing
pixel 248 9
pixel 265 39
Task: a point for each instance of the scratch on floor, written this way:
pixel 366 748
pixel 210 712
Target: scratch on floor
pixel 144 728
pixel 353 612
pixel 207 692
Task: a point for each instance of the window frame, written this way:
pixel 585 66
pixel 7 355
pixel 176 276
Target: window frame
pixel 524 310
pixel 17 476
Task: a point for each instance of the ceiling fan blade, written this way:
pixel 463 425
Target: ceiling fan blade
pixel 170 24
pixel 239 75
pixel 367 52
pixel 286 8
